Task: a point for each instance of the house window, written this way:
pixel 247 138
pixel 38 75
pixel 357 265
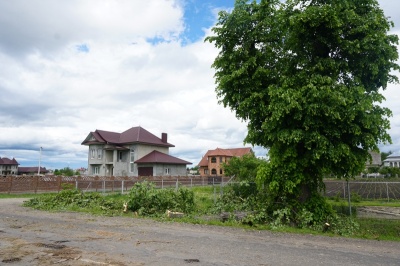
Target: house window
pixel 167 171
pixel 213 160
pixel 206 171
pixel 132 161
pixel 220 171
pixel 120 156
pixel 213 172
pixel 93 153
pixel 96 170
pixel 99 153
pixel 220 159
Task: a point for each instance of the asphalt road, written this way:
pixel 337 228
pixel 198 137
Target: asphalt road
pixel 31 237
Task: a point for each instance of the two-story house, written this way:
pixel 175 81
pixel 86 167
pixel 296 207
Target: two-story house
pixel 8 166
pixel 134 152
pixel 211 163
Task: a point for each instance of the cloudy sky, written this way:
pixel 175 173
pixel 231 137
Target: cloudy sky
pixel 71 67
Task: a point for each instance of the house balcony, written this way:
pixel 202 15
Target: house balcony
pixel 109 157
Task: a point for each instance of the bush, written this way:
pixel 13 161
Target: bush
pixel 145 199
pixel 343 226
pixel 355 197
pixel 73 199
pixel 243 197
pixel 391 172
pixel 344 209
pixel 337 197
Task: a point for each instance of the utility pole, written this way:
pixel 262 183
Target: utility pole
pixel 40 158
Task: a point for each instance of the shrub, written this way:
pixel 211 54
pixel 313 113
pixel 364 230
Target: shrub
pixel 145 199
pixel 73 199
pixel 355 197
pixel 337 197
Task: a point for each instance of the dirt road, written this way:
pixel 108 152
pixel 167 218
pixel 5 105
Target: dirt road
pixel 31 237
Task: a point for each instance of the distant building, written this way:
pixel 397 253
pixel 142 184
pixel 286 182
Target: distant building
pixel 8 166
pixel 32 170
pixel 393 160
pixel 211 163
pixel 376 160
pixel 134 152
pixel 82 171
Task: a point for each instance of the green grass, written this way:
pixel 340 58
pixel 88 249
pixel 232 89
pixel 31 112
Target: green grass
pixel 381 203
pixel 204 198
pixel 377 229
pixel 371 228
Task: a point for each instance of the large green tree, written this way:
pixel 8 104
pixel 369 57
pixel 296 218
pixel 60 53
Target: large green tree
pixel 306 77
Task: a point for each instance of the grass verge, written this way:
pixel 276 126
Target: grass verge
pixel 205 197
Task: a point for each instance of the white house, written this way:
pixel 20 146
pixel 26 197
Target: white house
pixel 134 152
pixel 393 160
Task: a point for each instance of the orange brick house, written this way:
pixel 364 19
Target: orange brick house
pixel 211 163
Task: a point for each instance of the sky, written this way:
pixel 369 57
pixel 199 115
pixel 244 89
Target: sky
pixel 71 67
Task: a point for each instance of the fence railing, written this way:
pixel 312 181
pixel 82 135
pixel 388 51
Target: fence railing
pixel 369 190
pixel 38 184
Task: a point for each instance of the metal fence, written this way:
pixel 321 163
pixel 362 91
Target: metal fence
pixel 38 184
pixel 366 190
pixel 370 190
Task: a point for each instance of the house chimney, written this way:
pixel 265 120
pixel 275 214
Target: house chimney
pixel 164 137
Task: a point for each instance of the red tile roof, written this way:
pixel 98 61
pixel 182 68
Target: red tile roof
pixel 132 135
pixel 106 136
pixel 29 170
pixel 159 157
pixel 235 152
pixel 6 161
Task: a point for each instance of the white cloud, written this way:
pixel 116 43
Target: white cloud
pixel 48 25
pixel 72 67
pixel 117 81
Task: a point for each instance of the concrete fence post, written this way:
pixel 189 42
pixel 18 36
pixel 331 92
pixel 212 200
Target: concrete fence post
pixel 387 191
pixel 215 196
pixel 10 178
pixel 58 183
pixel 35 182
pixel 348 194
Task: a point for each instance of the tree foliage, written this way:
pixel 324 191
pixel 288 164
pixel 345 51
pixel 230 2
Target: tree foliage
pixel 306 76
pixel 66 171
pixel 384 155
pixel 389 171
pixel 243 168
